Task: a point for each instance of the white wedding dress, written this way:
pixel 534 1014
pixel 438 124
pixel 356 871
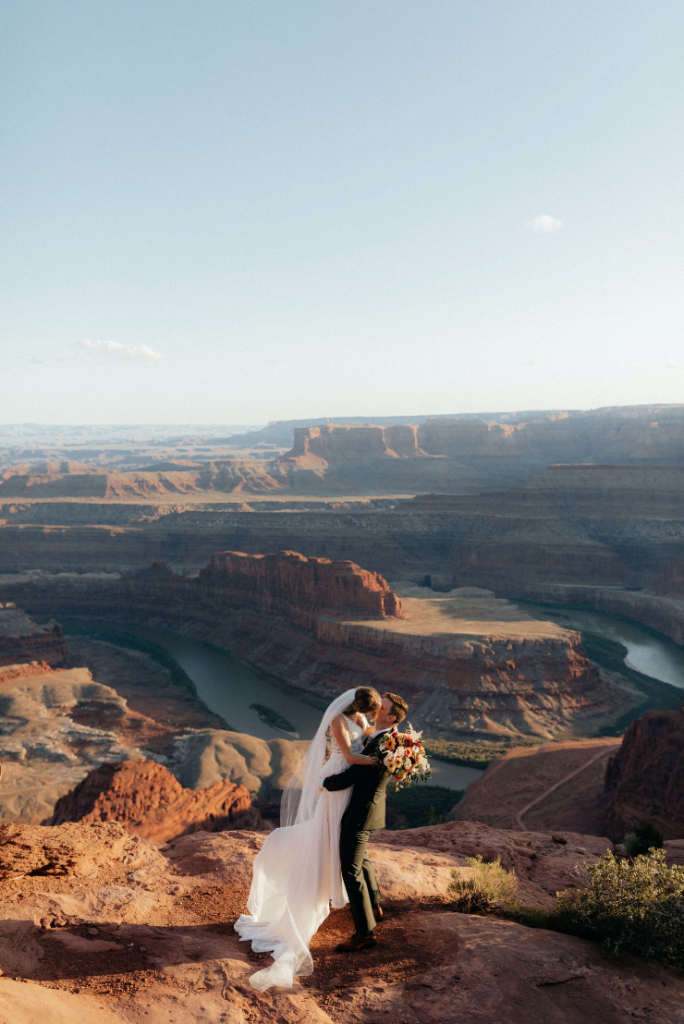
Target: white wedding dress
pixel 297 871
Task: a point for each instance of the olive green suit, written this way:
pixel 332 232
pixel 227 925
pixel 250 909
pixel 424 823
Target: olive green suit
pixel 365 813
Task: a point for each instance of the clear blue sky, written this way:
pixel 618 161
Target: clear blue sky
pixel 235 211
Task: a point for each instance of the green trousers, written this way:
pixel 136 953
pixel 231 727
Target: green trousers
pixel 359 878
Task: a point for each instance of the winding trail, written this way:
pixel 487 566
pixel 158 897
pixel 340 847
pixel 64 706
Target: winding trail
pixel 537 800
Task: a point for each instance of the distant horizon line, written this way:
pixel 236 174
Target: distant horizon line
pixel 316 420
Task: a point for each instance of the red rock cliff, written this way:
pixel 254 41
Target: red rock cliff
pixel 23 640
pixel 298 587
pixel 645 779
pixel 356 441
pixel 150 802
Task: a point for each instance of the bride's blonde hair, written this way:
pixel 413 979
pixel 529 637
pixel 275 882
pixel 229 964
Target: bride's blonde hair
pixel 367 701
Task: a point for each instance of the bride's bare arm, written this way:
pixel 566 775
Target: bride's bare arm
pixel 341 734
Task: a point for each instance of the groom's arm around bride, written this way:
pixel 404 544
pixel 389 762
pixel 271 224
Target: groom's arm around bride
pixel 365 814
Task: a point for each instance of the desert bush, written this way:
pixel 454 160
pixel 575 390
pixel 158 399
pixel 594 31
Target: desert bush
pixel 632 907
pixel 468 752
pixel 644 838
pixel 491 887
pixel 416 806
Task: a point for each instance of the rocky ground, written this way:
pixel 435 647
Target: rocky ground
pixel 97 924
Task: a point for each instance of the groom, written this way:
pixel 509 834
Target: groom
pixel 365 813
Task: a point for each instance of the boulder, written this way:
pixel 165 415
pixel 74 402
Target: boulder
pixel 150 802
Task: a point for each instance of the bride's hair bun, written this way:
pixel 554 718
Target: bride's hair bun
pixel 366 701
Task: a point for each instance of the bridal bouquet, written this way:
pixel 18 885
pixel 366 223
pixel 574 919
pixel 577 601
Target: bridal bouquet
pixel 403 755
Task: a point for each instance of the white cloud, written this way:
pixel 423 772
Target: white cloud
pixel 134 353
pixel 544 224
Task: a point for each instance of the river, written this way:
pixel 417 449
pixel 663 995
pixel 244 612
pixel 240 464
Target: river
pixel 229 687
pixel 655 656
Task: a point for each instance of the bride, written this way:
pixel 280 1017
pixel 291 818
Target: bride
pixel 297 871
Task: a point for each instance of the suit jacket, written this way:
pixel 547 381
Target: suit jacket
pixel 366 808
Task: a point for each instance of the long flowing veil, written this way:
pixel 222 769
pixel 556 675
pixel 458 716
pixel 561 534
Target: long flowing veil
pixel 301 792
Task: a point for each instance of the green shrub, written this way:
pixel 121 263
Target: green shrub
pixel 644 838
pixel 469 752
pixel 533 917
pixel 420 805
pixel 491 887
pixel 631 907
pixel 269 716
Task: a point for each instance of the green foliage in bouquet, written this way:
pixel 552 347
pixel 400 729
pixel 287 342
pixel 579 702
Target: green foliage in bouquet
pixel 491 888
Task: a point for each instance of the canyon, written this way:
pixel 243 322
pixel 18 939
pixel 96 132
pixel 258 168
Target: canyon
pixel 604 786
pixel 468 663
pixel 449 454
pixel 605 535
pixel 59 727
pixel 327 555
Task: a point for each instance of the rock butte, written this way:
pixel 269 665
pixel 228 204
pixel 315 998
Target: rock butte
pixel 149 802
pixel 301 588
pixel 101 925
pixel 467 663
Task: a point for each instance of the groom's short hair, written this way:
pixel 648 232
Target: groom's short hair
pixel 399 706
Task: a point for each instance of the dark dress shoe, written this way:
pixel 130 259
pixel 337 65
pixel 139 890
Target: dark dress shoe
pixel 356 943
pixel 378 914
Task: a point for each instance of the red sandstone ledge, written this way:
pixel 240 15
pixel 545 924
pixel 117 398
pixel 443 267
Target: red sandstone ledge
pixel 303 587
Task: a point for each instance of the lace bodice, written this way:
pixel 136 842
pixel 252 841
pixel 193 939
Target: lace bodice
pixel 337 761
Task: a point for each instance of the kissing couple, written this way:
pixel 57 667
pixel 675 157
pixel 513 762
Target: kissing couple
pixel 318 856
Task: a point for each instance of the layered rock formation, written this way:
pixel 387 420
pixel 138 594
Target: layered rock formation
pixel 335 441
pixel 598 528
pixel 122 929
pixel 203 757
pixel 149 802
pixel 22 639
pixel 298 587
pixel 645 779
pixel 464 664
pixel 55 726
pixel 455 455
